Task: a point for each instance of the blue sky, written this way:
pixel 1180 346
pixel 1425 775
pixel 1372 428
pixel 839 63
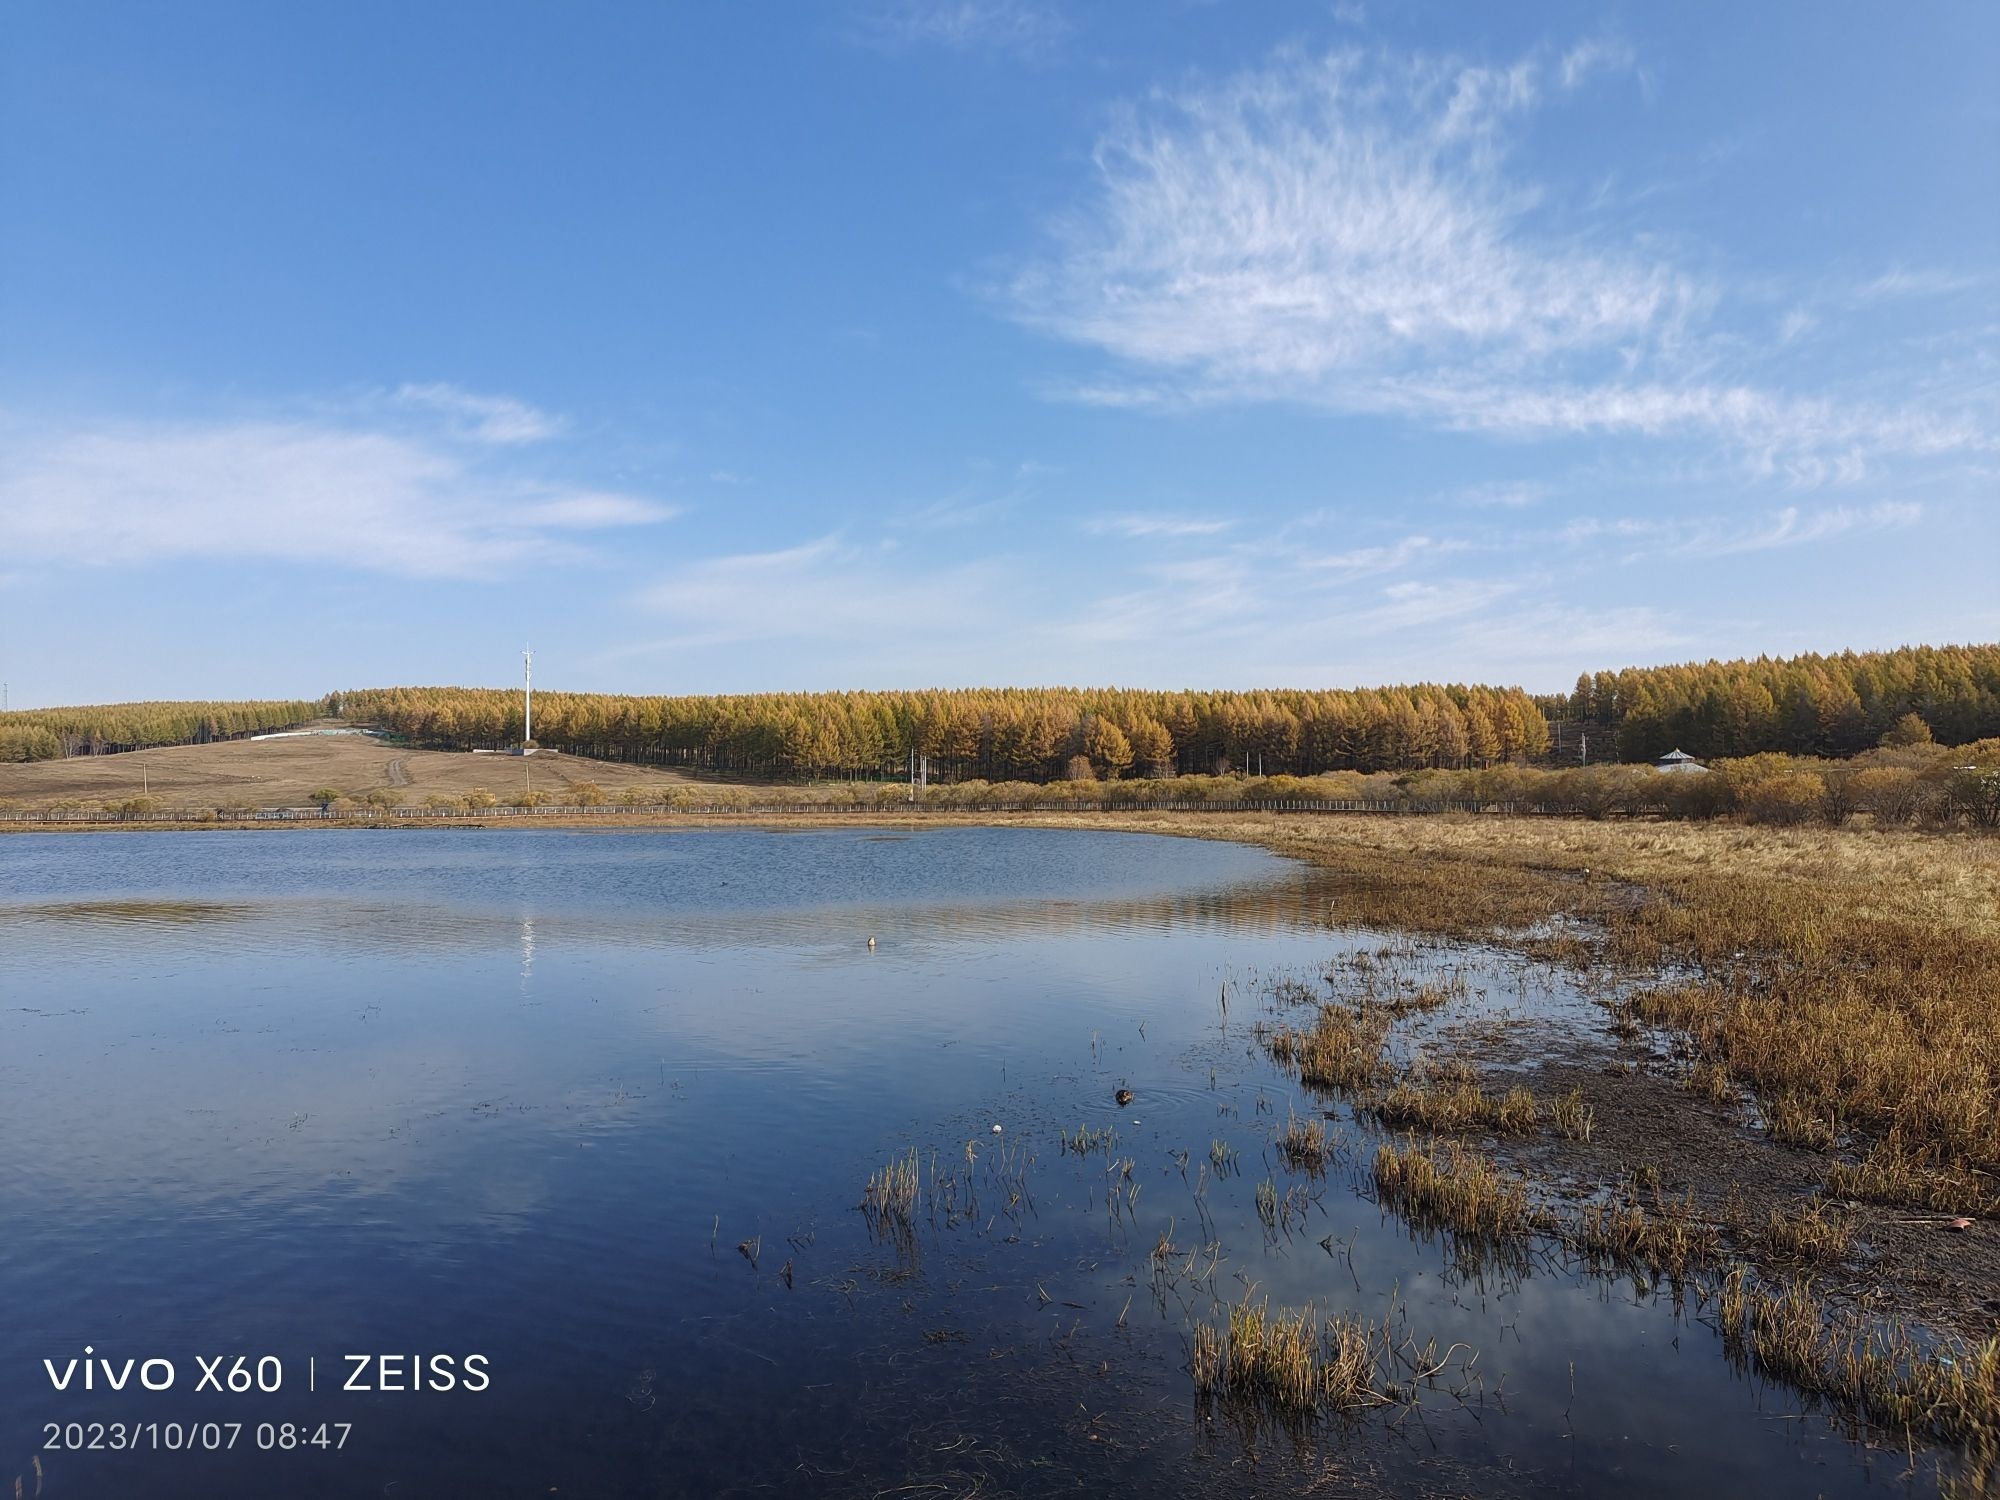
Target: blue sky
pixel 735 347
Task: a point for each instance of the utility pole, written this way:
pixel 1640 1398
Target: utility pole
pixel 527 696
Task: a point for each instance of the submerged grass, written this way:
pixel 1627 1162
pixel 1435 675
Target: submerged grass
pixel 1442 1186
pixel 1304 1143
pixel 1458 1107
pixel 891 1195
pixel 1341 1052
pixel 1948 1391
pixel 1670 1239
pixel 1291 1363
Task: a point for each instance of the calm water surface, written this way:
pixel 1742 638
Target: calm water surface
pixel 525 1094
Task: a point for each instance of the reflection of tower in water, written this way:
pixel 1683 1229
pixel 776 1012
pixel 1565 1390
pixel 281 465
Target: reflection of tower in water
pixel 527 952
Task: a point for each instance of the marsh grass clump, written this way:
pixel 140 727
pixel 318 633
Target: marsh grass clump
pixel 1304 1143
pixel 1683 1007
pixel 891 1195
pixel 1793 1119
pixel 1394 995
pixel 1459 1107
pixel 1086 1139
pixel 1443 1186
pixel 1787 1337
pixel 1670 1240
pixel 1448 1072
pixel 1205 1359
pixel 1814 1236
pixel 1711 1081
pixel 1572 1117
pixel 1914 1177
pixel 1267 1204
pixel 1273 1358
pixel 1290 1364
pixel 1340 1052
pixel 1948 1391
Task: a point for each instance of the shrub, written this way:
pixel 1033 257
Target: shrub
pixel 1791 797
pixel 1889 794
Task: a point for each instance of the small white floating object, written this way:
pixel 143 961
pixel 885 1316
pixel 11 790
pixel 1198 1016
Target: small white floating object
pixel 871 942
pixel 996 1129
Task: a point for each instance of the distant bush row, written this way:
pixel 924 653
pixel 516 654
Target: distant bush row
pixel 1924 785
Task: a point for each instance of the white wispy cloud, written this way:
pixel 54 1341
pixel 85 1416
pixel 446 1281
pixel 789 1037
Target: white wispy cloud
pixel 1916 281
pixel 1594 55
pixel 1329 217
pixel 1351 231
pixel 304 491
pixel 481 418
pixel 1356 561
pixel 1506 494
pixel 1136 525
pixel 1021 26
pixel 1711 536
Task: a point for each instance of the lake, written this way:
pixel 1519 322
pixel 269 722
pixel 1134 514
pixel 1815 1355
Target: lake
pixel 581 1124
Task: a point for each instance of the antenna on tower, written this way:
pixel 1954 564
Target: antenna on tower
pixel 527 696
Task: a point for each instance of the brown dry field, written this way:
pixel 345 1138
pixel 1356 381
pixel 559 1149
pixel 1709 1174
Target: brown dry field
pixel 284 773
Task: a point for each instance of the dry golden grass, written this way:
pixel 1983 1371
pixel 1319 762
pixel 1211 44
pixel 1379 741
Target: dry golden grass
pixel 1443 1186
pixel 242 774
pixel 891 1195
pixel 1913 1177
pixel 1850 978
pixel 1456 1107
pixel 1816 1236
pixel 1340 1052
pixel 1948 1391
pixel 1303 1144
pixel 1290 1364
pixel 1670 1240
pixel 1572 1117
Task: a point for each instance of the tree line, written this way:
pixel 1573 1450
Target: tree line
pixel 1801 705
pixel 1827 706
pixel 1010 734
pixel 105 728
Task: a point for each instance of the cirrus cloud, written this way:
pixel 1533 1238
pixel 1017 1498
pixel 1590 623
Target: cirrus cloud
pixel 315 491
pixel 1351 232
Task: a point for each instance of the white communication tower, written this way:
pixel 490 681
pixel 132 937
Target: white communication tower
pixel 527 696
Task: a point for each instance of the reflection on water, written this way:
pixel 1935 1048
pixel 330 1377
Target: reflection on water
pixel 601 1107
pixel 164 913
